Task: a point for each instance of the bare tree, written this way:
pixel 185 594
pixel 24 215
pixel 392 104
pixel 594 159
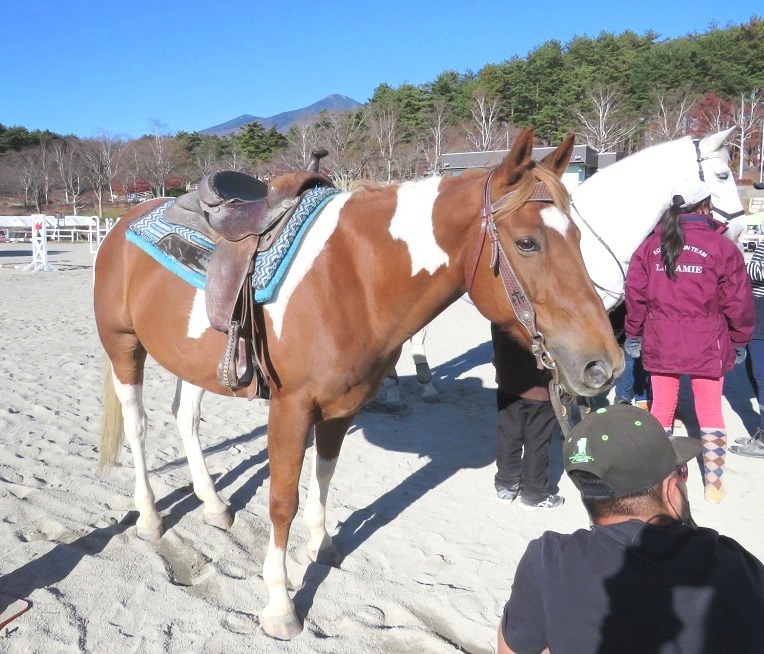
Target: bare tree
pixel 96 170
pixel 33 177
pixel 606 124
pixel 748 116
pixel 436 124
pixel 483 132
pixel 234 160
pixel 342 135
pixel 155 157
pixel 68 161
pixel 384 126
pixel 671 113
pixel 303 137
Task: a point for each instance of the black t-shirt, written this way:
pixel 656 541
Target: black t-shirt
pixel 633 587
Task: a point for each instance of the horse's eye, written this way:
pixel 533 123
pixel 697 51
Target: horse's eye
pixel 527 244
pixel 722 176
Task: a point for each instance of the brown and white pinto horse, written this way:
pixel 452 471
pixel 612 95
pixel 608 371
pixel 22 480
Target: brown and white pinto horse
pixel 376 266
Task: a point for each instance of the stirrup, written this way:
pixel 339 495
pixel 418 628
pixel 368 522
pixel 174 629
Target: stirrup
pixel 235 370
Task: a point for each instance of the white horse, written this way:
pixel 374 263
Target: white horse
pixel 638 186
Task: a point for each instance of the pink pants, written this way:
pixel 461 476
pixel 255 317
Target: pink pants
pixel 708 399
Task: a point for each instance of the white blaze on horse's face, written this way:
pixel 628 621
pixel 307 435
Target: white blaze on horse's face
pixel 412 224
pixel 198 322
pixel 311 246
pixel 556 219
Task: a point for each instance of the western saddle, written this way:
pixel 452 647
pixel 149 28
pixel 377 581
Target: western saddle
pixel 243 216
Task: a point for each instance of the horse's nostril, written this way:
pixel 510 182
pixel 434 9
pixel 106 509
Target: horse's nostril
pixel 596 374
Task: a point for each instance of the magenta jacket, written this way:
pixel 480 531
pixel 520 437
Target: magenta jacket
pixel 690 325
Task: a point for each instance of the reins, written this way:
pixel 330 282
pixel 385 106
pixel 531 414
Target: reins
pixel 619 296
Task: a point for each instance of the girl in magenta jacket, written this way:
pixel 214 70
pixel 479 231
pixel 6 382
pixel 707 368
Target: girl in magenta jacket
pixel 690 311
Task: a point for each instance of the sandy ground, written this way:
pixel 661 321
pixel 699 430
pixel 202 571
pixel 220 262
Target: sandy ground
pixel 429 553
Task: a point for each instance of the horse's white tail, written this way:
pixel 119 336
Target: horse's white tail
pixel 112 426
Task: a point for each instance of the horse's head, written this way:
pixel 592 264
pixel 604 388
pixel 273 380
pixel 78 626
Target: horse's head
pixel 526 208
pixel 714 169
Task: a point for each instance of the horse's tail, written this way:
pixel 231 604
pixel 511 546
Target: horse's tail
pixel 112 426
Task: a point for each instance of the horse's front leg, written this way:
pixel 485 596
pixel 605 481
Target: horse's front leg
pixel 289 423
pixel 329 436
pixel 186 408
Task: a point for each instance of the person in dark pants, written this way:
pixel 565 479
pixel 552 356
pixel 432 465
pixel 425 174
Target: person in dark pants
pixel 754 363
pixel 526 420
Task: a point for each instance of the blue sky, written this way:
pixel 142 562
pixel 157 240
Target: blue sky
pixel 84 66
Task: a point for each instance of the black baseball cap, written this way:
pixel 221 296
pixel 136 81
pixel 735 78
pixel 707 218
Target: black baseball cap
pixel 626 449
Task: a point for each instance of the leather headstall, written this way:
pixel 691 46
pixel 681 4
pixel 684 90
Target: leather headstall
pixel 518 298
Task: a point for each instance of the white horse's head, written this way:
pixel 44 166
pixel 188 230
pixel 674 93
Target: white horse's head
pixel 714 169
pixel 619 206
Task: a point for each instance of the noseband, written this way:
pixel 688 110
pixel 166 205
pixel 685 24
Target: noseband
pixel 499 262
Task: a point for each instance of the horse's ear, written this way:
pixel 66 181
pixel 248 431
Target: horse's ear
pixel 557 161
pixel 714 142
pixel 518 159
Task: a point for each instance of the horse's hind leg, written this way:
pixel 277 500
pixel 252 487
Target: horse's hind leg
pixel 186 408
pixel 328 441
pixel 130 394
pixel 423 372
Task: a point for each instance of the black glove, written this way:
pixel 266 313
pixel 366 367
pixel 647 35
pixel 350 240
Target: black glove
pixel 740 353
pixel 633 347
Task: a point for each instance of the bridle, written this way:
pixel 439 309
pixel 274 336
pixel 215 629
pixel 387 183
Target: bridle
pixel 700 159
pixel 499 262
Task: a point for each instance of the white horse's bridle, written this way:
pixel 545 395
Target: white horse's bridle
pixel 700 159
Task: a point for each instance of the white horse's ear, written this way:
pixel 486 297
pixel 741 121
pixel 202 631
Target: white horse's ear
pixel 714 142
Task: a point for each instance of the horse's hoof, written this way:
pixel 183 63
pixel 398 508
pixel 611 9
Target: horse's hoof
pixel 150 535
pixel 283 627
pixel 330 556
pixel 431 399
pixel 222 520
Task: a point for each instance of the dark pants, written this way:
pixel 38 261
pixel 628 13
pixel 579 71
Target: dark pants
pixel 754 366
pixel 634 381
pixel 522 444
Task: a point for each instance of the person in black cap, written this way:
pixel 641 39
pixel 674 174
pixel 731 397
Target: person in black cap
pixel 643 577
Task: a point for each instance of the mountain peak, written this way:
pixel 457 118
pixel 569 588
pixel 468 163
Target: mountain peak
pixel 333 103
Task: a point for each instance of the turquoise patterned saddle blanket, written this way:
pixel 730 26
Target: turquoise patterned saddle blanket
pixel 186 252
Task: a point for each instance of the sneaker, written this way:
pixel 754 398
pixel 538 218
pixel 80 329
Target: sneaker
pixel 753 448
pixel 746 440
pixel 548 502
pixel 507 495
pixel 622 400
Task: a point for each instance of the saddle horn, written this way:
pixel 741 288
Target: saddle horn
pixel 315 159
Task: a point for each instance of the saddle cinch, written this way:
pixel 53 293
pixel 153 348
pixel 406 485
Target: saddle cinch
pixel 243 216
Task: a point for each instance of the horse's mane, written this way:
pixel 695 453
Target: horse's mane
pixel 527 186
pixel 366 185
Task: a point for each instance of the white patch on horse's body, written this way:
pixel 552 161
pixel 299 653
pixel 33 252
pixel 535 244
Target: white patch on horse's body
pixel 555 219
pixel 412 223
pixel 198 322
pixel 308 251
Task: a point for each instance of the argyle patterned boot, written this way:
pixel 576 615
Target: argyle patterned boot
pixel 714 443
